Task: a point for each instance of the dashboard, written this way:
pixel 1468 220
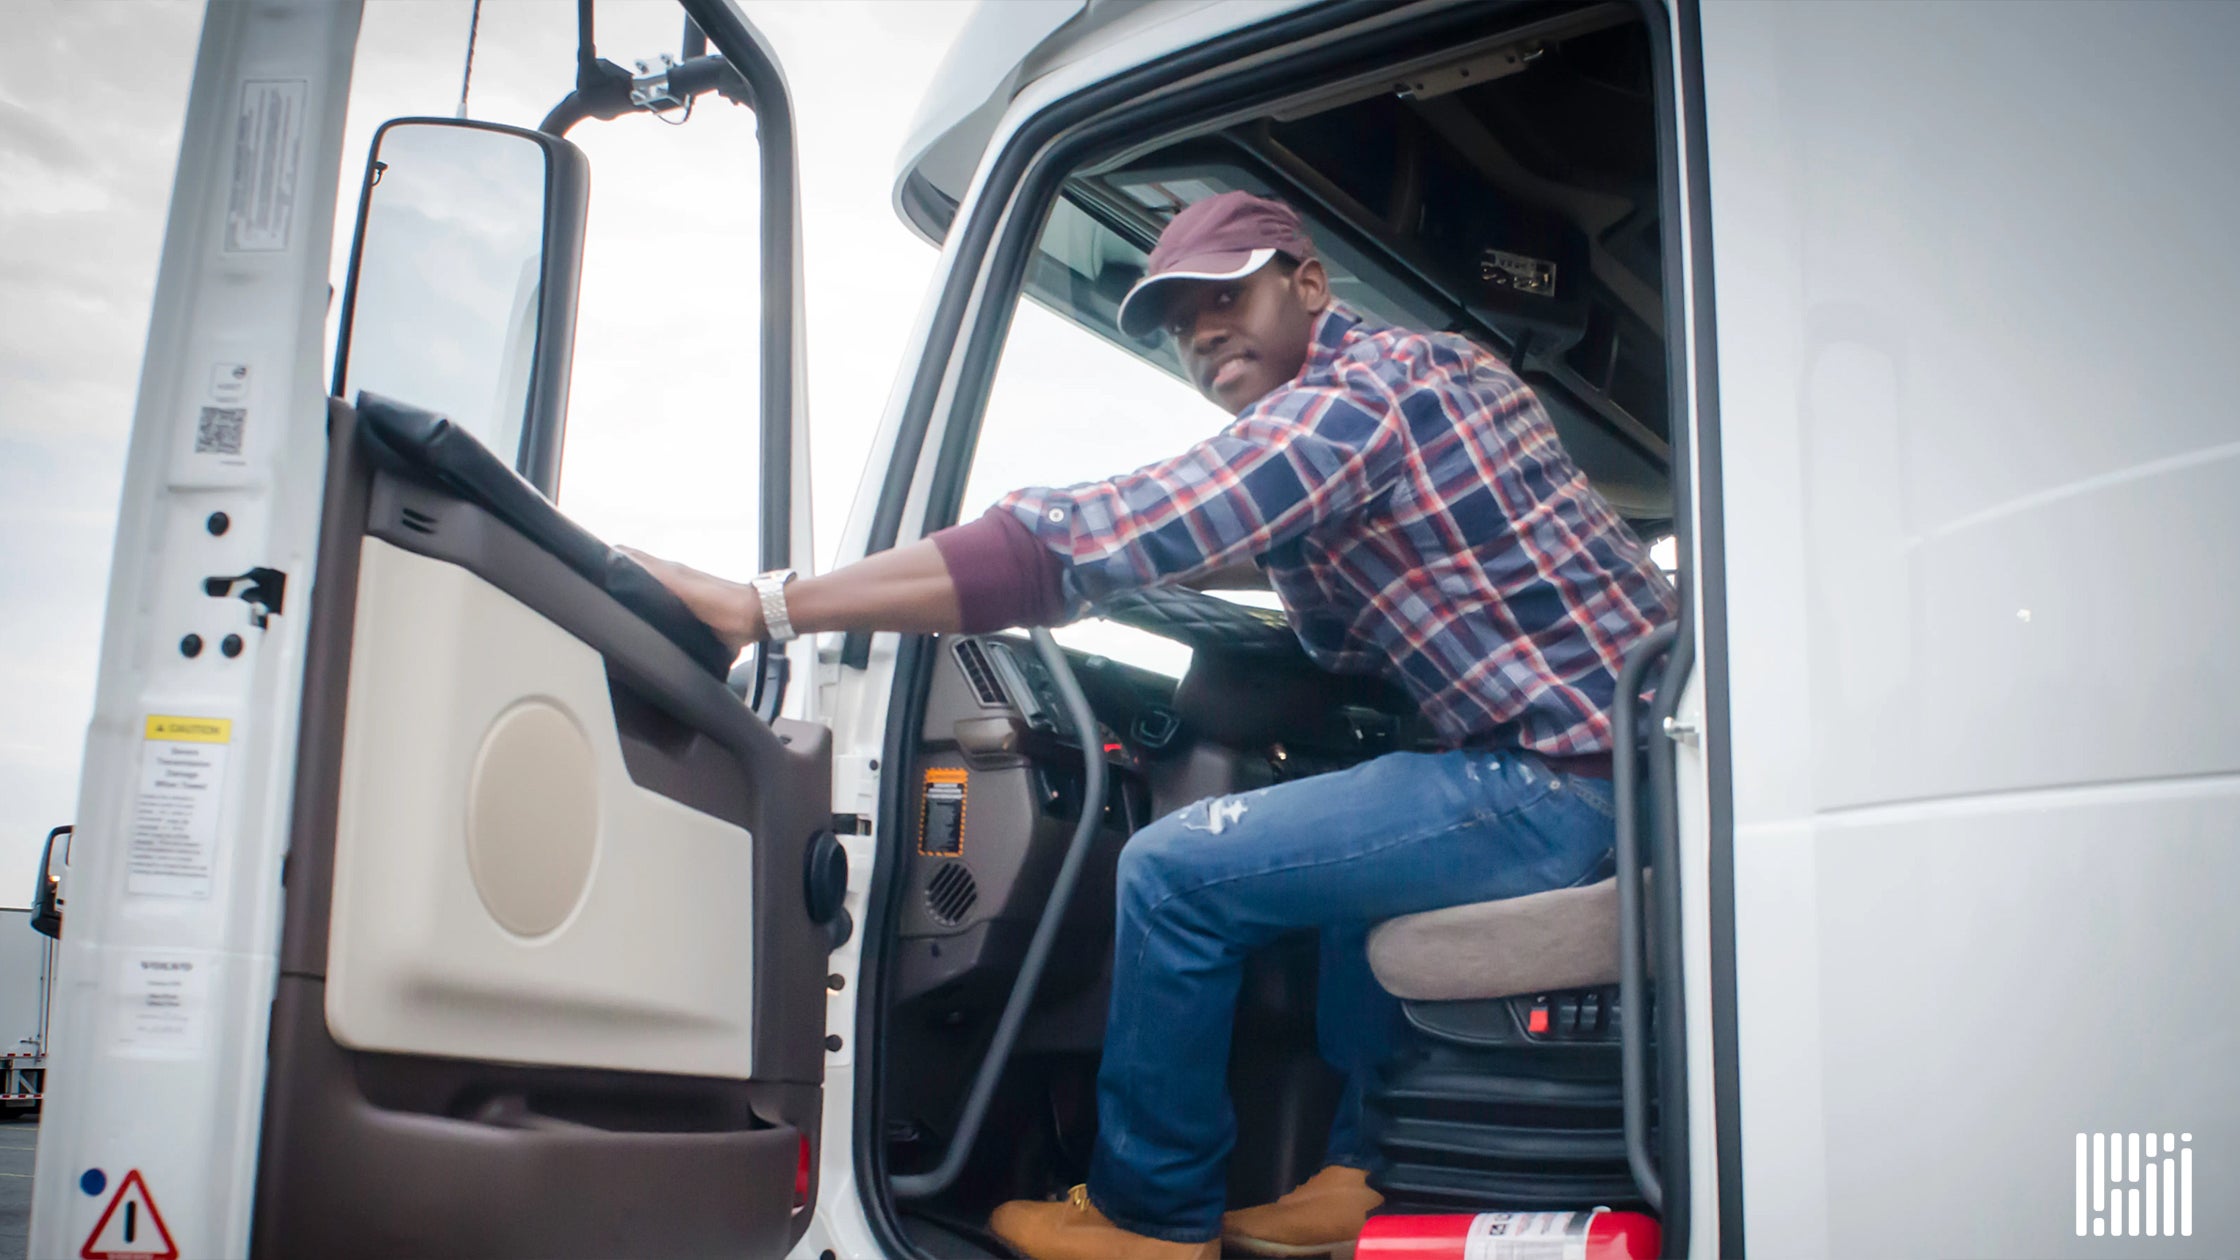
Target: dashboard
pixel 1134 706
pixel 995 785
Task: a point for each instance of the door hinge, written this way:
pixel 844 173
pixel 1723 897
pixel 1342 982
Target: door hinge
pixel 851 825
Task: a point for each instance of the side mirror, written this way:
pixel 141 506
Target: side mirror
pixel 461 297
pixel 46 897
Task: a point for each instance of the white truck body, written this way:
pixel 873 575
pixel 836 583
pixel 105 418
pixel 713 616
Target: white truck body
pixel 1957 760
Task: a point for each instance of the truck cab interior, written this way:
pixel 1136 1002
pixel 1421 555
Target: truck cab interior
pixel 1507 183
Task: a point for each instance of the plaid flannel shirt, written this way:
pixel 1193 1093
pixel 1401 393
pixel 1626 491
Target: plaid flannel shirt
pixel 1419 519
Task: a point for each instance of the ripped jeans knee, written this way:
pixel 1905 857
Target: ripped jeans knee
pixel 1178 852
pixel 1217 814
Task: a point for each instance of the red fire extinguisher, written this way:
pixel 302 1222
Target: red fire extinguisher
pixel 1597 1235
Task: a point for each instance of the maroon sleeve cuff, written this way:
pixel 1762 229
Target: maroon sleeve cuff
pixel 1005 576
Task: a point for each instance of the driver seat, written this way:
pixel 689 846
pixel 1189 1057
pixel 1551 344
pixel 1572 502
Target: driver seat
pixel 1566 938
pixel 1508 1095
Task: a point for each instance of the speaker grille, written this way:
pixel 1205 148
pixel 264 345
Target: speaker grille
pixel 950 894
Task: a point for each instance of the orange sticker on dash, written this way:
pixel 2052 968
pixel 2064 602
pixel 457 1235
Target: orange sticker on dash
pixel 941 813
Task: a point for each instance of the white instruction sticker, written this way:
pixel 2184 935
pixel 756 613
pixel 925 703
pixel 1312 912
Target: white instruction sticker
pixel 1527 1236
pixel 267 157
pixel 174 840
pixel 229 384
pixel 162 1005
pixel 220 419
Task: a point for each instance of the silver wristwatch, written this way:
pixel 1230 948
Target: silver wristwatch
pixel 771 589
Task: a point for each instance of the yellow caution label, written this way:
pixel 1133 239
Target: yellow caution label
pixel 190 730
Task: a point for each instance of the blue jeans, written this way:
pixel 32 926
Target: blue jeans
pixel 1340 852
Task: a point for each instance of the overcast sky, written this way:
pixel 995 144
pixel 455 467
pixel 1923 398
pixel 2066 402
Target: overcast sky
pixel 660 448
pixel 92 96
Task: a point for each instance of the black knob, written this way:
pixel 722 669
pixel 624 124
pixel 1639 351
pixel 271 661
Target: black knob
pixel 825 877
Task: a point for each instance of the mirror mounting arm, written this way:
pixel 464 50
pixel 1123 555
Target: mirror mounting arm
pixel 602 91
pixel 602 87
pixel 711 73
pixel 613 91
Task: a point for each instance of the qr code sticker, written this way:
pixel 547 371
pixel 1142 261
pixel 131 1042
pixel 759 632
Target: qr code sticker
pixel 218 431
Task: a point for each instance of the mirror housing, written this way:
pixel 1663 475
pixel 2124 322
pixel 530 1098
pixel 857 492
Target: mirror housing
pixel 46 896
pixel 464 271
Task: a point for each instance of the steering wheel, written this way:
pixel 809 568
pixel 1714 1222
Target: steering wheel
pixel 1204 621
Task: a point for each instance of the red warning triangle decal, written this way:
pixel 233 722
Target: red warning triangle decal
pixel 130 1228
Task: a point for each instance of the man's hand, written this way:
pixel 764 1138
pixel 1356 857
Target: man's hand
pixel 905 588
pixel 731 609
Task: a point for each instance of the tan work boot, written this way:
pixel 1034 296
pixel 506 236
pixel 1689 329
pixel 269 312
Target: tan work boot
pixel 1321 1218
pixel 1075 1230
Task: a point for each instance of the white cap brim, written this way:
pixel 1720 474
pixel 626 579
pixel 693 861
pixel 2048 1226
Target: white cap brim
pixel 1136 317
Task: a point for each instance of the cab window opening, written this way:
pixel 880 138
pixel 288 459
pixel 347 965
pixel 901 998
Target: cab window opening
pixel 1580 325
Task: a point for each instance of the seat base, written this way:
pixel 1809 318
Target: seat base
pixel 1567 1017
pixel 1475 1116
pixel 1563 939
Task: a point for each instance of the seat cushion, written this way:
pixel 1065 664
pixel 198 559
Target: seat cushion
pixel 1565 939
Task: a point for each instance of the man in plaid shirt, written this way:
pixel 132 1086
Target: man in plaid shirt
pixel 1410 504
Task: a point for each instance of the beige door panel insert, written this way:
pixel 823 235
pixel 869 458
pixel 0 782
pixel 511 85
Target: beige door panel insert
pixel 502 889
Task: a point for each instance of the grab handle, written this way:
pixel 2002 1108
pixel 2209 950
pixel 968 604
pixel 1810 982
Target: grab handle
pixel 1633 1030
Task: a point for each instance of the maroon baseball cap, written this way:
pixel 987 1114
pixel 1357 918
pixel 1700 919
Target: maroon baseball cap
pixel 1223 237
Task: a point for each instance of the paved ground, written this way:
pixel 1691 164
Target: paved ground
pixel 18 1139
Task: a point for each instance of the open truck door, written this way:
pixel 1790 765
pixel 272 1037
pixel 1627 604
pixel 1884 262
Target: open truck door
pixel 443 898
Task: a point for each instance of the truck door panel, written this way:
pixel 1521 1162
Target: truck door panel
pixel 546 943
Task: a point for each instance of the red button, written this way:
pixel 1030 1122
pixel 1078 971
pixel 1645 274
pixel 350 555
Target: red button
pixel 1537 1022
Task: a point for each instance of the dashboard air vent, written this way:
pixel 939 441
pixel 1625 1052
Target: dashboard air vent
pixel 973 660
pixel 950 894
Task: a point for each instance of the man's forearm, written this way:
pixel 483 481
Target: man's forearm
pixel 906 589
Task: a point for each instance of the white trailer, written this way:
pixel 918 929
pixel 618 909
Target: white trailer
pixel 26 996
